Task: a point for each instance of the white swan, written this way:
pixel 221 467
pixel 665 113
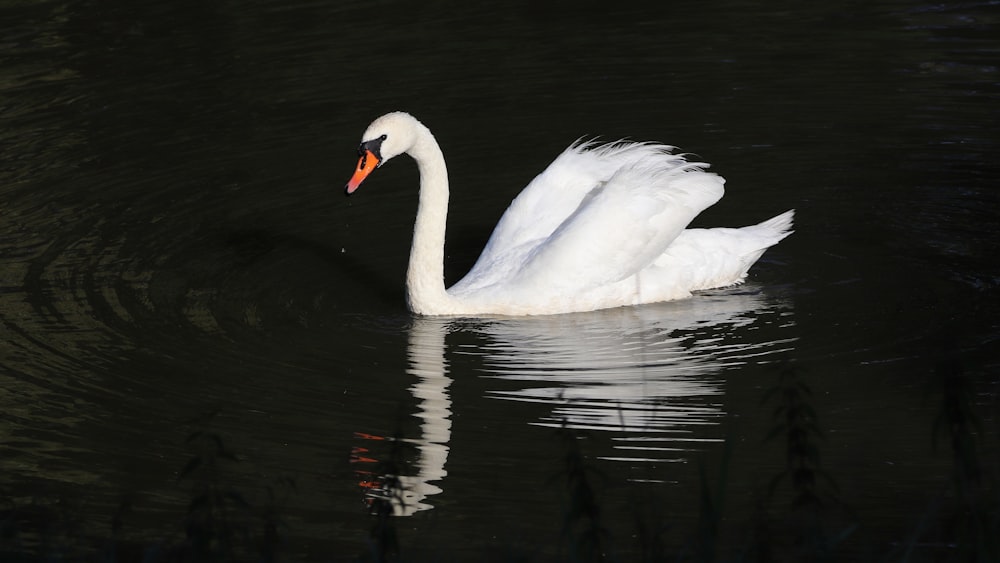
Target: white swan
pixel 603 226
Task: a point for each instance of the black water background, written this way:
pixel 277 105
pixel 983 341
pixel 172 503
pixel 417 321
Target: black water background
pixel 175 242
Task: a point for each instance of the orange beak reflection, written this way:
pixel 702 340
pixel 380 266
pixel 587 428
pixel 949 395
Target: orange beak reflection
pixel 366 164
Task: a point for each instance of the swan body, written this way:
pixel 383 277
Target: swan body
pixel 603 226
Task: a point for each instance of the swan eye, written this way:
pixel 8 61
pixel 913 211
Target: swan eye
pixel 373 146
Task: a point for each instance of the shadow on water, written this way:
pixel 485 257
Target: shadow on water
pixel 352 273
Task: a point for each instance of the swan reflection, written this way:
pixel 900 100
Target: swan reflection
pixel 625 369
pixel 405 494
pixel 649 375
pixel 427 362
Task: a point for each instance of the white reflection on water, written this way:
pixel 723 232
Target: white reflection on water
pixel 648 374
pixel 606 369
pixel 427 362
pixel 406 494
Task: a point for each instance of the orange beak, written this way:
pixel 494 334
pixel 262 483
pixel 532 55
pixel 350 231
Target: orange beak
pixel 366 164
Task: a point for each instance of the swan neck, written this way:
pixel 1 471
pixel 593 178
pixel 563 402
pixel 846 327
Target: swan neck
pixel 425 275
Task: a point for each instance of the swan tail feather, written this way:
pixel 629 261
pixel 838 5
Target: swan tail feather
pixel 779 226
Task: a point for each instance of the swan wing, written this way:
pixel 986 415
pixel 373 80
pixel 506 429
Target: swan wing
pixel 569 183
pixel 621 226
pixel 553 195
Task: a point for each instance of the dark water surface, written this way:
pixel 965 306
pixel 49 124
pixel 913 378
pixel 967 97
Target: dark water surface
pixel 176 257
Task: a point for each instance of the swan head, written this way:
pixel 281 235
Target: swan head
pixel 388 136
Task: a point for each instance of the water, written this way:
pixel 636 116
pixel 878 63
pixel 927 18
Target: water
pixel 177 257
